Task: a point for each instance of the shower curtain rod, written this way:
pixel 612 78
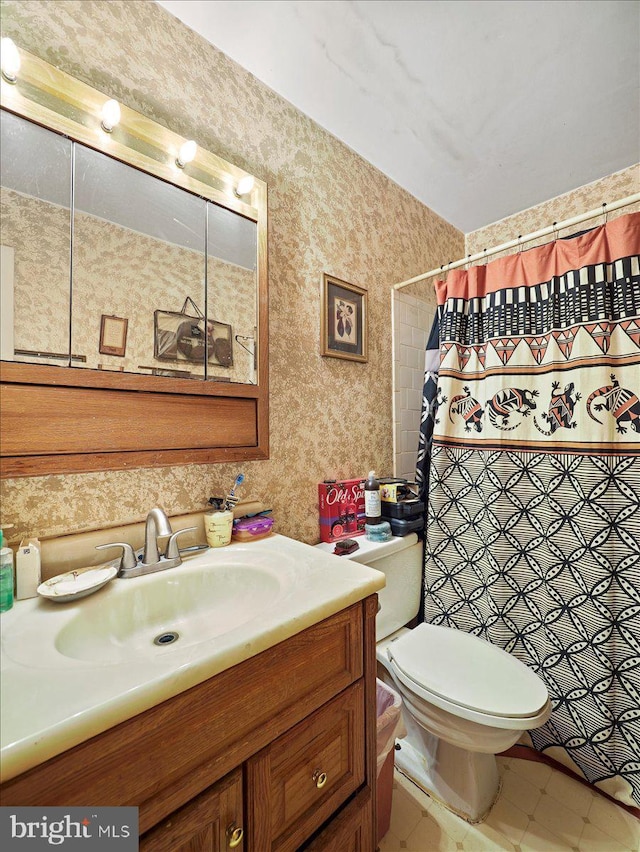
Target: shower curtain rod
pixel 551 229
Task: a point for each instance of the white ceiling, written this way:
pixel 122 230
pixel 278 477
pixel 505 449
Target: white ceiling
pixel 480 108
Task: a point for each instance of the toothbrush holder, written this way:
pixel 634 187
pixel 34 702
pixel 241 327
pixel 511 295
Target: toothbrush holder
pixel 218 526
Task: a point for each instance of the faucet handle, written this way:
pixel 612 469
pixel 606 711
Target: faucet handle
pixel 127 560
pixel 173 552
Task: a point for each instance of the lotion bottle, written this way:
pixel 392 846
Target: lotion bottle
pixel 6 576
pixel 372 509
pixel 28 576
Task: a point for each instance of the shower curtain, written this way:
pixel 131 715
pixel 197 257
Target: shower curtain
pixel 530 463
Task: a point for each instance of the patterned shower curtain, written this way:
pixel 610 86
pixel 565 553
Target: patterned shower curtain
pixel 530 462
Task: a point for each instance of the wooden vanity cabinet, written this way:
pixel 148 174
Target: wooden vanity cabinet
pixel 282 747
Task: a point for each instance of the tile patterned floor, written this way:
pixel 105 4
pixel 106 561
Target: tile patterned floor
pixel 539 810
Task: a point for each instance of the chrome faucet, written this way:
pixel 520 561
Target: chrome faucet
pixel 156 525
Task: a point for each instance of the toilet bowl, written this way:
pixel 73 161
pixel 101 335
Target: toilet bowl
pixel 464 699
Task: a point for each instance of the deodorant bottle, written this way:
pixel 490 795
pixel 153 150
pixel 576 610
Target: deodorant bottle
pixel 372 510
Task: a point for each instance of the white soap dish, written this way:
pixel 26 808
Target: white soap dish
pixel 77 584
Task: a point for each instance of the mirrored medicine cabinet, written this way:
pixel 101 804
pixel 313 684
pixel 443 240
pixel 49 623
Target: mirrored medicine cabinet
pixel 134 289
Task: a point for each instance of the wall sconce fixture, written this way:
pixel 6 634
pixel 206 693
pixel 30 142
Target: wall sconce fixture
pixel 245 185
pixel 110 115
pixel 9 60
pixel 186 154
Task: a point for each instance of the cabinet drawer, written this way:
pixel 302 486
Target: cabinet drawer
pixel 350 831
pixel 301 778
pixel 212 822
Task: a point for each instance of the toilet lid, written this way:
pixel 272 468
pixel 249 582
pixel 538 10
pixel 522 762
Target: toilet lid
pixel 466 670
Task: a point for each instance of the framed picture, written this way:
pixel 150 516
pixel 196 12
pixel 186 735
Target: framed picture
pixel 113 335
pixel 343 324
pixel 181 337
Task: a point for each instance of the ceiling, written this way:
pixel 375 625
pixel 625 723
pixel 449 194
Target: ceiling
pixel 479 108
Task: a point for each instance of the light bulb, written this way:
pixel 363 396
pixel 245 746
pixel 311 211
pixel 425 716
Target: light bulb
pixel 110 115
pixel 245 185
pixel 186 154
pixel 10 60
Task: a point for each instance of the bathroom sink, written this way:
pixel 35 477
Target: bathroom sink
pixel 71 670
pixel 153 618
pixel 184 606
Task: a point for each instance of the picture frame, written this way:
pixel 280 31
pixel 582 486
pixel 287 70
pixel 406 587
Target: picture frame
pixel 343 320
pixel 113 335
pixel 180 337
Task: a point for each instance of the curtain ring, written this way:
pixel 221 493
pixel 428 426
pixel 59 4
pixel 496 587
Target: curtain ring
pixel 556 232
pixel 605 212
pixel 486 259
pixel 519 243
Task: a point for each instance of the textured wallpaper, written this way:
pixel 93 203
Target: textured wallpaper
pixel 587 197
pixel 329 211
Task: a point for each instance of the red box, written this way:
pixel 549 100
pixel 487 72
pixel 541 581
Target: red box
pixel 341 509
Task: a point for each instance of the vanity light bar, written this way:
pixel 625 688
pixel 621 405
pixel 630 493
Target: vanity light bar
pixel 54 98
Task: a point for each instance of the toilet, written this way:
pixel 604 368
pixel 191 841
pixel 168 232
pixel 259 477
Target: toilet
pixel 464 699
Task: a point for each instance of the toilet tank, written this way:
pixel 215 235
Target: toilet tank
pixel 400 560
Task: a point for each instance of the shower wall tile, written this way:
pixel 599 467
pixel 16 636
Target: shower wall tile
pixel 413 317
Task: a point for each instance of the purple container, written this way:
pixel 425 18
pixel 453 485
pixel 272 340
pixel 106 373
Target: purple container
pixel 251 529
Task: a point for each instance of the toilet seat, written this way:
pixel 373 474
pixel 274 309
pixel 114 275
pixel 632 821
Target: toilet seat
pixel 469 677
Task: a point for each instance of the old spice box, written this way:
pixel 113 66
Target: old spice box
pixel 341 509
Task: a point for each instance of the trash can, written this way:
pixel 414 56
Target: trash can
pixel 389 726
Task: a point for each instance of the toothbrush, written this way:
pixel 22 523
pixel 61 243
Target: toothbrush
pixel 231 496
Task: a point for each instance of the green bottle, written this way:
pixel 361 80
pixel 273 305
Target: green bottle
pixel 6 576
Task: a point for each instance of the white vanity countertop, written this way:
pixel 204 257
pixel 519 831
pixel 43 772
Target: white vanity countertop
pixel 51 699
pixel 370 551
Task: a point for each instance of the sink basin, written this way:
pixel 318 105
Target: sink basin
pixel 71 670
pixel 165 619
pixel 183 607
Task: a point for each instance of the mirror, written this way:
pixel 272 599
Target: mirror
pixel 149 262
pixel 35 229
pixel 138 246
pixel 134 289
pixel 231 284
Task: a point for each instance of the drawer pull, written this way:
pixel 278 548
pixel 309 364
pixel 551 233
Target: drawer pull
pixel 320 779
pixel 234 836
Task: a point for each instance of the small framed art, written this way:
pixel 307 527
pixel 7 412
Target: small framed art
pixel 343 323
pixel 113 335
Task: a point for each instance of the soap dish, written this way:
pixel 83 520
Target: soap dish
pixel 77 584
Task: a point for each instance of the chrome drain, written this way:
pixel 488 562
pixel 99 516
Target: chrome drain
pixel 166 638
